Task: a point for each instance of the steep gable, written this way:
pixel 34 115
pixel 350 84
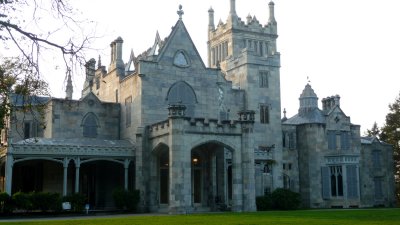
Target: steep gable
pixel 179 49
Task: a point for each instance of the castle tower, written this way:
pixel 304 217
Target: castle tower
pixel 246 53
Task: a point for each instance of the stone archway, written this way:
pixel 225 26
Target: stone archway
pixel 160 178
pixel 211 176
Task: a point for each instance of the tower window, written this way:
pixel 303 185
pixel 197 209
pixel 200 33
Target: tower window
pixel 264 114
pixel 263 79
pixel 128 110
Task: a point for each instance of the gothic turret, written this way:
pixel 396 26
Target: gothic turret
pixel 308 100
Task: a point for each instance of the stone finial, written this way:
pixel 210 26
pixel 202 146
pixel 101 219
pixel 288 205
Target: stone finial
pixel 180 12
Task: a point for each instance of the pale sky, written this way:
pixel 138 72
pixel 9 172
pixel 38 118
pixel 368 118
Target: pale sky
pixel 345 47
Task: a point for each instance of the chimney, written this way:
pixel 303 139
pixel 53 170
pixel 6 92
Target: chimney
pixel 116 56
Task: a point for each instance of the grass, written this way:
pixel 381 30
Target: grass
pixel 309 217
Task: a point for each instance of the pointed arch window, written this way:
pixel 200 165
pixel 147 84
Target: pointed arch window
pixel 182 93
pixel 90 126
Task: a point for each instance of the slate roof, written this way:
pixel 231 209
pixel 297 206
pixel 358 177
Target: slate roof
pixel 312 116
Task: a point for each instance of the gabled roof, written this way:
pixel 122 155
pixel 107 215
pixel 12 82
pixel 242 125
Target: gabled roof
pixel 178 39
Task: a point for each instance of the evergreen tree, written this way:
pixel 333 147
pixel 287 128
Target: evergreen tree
pixel 391 134
pixel 374 132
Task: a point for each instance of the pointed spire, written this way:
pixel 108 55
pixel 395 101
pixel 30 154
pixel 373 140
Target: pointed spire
pixel 69 89
pixel 180 12
pixel 156 45
pixel 271 19
pixel 132 56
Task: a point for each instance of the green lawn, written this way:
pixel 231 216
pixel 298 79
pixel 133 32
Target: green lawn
pixel 309 217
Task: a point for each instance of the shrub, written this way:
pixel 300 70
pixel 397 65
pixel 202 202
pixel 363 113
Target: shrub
pixel 22 201
pixel 284 199
pixel 133 199
pixel 6 204
pixel 264 203
pixel 77 201
pixel 46 201
pixel 124 199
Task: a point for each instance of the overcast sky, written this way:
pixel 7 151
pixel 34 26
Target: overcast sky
pixel 345 47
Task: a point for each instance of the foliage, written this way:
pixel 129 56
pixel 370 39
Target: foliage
pixel 285 199
pixel 6 204
pixel 77 201
pixel 374 132
pixel 391 134
pixel 46 201
pixel 31 30
pixel 24 83
pixel 279 199
pixel 22 201
pixel 124 199
pixel 264 203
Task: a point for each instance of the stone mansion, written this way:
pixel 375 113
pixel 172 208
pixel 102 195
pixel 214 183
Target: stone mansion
pixel 192 136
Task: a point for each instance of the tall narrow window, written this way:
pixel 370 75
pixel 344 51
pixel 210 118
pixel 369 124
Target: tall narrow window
pixel 376 159
pixel 352 181
pixel 336 181
pixel 116 96
pixel 378 188
pixel 292 141
pixel 90 126
pixel 264 114
pixel 128 110
pixel 263 79
pixel 345 140
pixel 331 135
pixel 27 130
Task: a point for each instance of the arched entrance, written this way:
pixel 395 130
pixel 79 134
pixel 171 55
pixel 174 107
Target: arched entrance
pixel 211 176
pixel 98 180
pixel 37 175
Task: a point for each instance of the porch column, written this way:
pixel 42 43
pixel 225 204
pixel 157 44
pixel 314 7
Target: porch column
pixel 126 167
pixel 8 172
pixel 65 164
pixel 77 168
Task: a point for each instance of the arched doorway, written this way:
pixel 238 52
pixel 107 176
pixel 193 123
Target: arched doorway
pixel 211 176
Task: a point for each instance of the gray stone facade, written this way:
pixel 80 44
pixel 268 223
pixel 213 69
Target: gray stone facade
pixel 332 166
pixel 193 137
